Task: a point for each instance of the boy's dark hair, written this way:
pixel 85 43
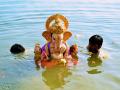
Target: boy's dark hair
pixel 96 40
pixel 17 48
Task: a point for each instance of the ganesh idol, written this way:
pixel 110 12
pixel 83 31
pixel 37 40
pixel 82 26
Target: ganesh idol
pixel 56 50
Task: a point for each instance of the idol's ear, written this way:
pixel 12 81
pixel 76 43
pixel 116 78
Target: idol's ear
pixel 67 35
pixel 47 35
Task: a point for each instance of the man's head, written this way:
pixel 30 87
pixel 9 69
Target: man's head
pixel 17 48
pixel 95 43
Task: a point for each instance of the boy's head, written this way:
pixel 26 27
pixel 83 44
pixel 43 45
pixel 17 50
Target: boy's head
pixel 17 48
pixel 95 43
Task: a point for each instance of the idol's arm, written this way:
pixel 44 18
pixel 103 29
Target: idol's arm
pixel 37 54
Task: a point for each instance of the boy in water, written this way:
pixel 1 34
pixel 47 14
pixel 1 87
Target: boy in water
pixel 96 54
pixel 94 46
pixel 95 43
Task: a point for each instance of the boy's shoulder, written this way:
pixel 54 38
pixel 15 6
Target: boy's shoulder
pixel 103 54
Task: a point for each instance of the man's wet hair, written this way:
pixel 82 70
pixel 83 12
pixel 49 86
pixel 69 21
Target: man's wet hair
pixel 96 39
pixel 17 48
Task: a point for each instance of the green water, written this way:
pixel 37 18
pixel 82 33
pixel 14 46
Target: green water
pixel 23 21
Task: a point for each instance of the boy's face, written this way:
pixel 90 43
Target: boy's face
pixel 93 48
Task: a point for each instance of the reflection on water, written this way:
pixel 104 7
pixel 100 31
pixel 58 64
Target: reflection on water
pixel 94 71
pixel 55 77
pixel 93 61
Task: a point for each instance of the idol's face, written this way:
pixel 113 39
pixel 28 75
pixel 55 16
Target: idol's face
pixel 57 37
